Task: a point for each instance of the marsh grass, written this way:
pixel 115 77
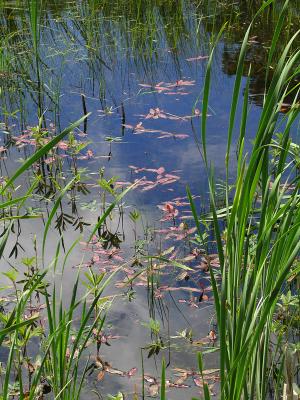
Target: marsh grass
pixel 38 41
pixel 259 247
pixel 56 366
pixel 14 325
pixel 59 362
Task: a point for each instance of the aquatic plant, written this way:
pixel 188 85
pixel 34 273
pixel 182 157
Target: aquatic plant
pixel 257 234
pixel 55 371
pixel 258 209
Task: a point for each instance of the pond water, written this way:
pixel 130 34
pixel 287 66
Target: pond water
pixel 139 68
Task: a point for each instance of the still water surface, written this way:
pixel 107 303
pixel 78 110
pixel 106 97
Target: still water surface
pixel 139 69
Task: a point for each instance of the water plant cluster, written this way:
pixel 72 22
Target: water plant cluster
pixel 195 274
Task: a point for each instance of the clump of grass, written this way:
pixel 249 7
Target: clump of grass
pixel 58 364
pixel 55 366
pixel 259 247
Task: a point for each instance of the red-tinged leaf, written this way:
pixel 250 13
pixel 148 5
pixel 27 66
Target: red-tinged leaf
pixel 158 87
pixel 155 113
pixel 166 231
pixel 212 335
pixel 210 372
pixel 100 376
pixel 166 181
pixel 169 217
pixel 143 182
pixel 172 176
pixel 114 371
pixel 117 257
pixel 120 183
pixel 149 187
pixel 132 372
pixel 169 210
pixel 158 294
pixel 197 381
pixel 185 83
pixel 176 385
pixel 183 371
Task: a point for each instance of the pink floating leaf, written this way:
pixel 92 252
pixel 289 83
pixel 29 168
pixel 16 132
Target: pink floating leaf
pixel 197 381
pixel 184 83
pixel 176 385
pixel 149 187
pixel 132 372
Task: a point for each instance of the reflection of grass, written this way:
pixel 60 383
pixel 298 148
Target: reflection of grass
pixel 115 39
pixel 259 248
pixel 55 366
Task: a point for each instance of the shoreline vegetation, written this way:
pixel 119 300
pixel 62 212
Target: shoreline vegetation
pixel 236 259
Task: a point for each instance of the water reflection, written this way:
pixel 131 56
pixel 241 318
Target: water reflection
pixel 138 66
